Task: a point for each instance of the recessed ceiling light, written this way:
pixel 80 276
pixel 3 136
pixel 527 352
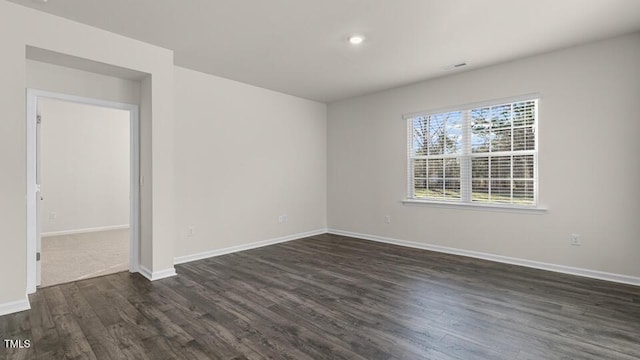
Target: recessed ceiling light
pixel 356 39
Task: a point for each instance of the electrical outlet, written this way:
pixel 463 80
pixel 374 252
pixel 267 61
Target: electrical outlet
pixel 387 219
pixel 53 215
pixel 191 231
pixel 282 219
pixel 575 240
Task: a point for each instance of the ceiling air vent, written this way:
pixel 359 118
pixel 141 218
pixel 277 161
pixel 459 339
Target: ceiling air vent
pixel 455 66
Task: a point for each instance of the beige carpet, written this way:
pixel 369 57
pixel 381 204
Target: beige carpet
pixel 69 258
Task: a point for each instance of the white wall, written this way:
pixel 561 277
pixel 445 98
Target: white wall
pixel 85 166
pixel 21 27
pixel 588 122
pixel 244 156
pixel 64 80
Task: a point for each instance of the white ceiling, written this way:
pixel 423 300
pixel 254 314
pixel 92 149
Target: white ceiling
pixel 299 47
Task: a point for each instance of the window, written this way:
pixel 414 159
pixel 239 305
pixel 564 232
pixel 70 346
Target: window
pixel 475 155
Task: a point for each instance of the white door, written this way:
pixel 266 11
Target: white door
pixel 39 199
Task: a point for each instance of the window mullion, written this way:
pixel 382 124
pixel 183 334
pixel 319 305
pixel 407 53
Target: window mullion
pixel 411 191
pixel 511 140
pixel 536 184
pixel 444 162
pixel 465 159
pixel 511 182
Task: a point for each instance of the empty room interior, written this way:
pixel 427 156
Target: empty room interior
pixel 415 179
pixel 84 166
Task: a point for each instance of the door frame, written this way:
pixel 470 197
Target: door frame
pixel 33 95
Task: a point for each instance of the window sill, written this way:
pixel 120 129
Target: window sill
pixel 476 206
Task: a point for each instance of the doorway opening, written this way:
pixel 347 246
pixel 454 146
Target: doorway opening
pixel 83 188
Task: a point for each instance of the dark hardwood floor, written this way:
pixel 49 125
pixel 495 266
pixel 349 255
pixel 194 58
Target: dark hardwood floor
pixel 332 297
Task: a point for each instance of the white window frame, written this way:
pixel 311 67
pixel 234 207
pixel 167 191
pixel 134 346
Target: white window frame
pixel 466 178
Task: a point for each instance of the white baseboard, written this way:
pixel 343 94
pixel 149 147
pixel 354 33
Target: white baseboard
pixel 156 275
pixel 243 247
pixel 87 230
pixel 15 306
pixel 618 278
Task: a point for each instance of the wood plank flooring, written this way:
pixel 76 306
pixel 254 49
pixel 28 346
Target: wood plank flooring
pixel 332 297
